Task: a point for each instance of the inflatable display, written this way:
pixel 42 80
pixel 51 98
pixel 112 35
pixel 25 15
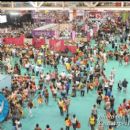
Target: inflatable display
pixel 4 107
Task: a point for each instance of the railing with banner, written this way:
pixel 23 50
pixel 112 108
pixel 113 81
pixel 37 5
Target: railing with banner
pixel 18 41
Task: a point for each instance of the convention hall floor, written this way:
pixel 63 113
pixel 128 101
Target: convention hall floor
pixel 81 106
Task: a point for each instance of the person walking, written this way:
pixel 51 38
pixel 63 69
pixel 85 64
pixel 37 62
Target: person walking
pixel 100 126
pixel 48 127
pixel 60 104
pixel 74 122
pixel 30 106
pixel 94 112
pixel 67 103
pixel 37 127
pixel 46 96
pixel 92 121
pixel 68 122
pixel 124 85
pixel 119 86
pixel 18 124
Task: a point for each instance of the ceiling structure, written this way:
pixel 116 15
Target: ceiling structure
pixel 65 5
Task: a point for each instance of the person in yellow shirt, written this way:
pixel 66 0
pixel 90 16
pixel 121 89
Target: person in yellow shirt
pixel 92 122
pixel 40 99
pixel 39 62
pixel 61 105
pixel 68 66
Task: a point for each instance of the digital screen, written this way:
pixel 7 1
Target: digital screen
pixel 3 18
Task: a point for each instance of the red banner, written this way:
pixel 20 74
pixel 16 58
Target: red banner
pixel 57 45
pixel 37 43
pixel 19 41
pixel 72 48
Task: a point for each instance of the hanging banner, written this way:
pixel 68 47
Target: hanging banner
pixel 38 42
pixel 73 35
pixel 18 41
pixel 57 45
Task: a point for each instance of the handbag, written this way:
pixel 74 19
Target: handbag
pixel 78 125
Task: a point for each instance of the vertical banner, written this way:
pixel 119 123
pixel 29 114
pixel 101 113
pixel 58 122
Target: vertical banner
pixel 73 35
pixel 57 34
pixel 74 13
pixel 88 37
pixel 86 27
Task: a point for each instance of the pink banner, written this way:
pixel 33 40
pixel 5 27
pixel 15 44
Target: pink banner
pixel 73 35
pixel 88 36
pixel 57 45
pixel 37 42
pixel 56 34
pixel 85 27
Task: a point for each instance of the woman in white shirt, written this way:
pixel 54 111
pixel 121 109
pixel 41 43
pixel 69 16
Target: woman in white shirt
pixel 74 122
pixel 18 124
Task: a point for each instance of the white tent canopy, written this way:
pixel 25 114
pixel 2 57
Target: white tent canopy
pixel 46 27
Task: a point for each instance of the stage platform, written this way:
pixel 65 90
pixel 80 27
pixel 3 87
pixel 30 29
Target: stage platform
pixel 5 81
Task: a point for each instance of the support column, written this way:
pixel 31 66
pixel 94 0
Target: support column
pixel 71 15
pixel 122 4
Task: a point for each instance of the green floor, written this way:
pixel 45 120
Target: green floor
pixel 81 106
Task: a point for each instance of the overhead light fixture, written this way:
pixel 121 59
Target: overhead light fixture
pixel 14 13
pixel 33 4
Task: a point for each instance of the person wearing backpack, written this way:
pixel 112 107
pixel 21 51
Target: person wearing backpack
pixel 92 122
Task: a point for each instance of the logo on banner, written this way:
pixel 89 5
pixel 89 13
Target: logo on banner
pixel 58 45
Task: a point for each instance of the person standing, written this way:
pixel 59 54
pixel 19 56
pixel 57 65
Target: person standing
pixel 92 122
pixel 30 106
pixel 60 104
pixel 74 122
pixel 46 96
pixel 124 84
pixel 47 127
pixel 99 100
pixel 112 100
pixel 37 127
pixel 100 126
pixel 119 86
pixel 18 124
pixel 68 122
pixel 14 123
pixel 94 112
pixel 126 116
pixel 67 103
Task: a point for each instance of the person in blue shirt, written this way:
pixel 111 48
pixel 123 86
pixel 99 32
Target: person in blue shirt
pixel 67 87
pixel 108 93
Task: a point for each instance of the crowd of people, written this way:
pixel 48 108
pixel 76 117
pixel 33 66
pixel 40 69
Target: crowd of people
pixel 85 73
